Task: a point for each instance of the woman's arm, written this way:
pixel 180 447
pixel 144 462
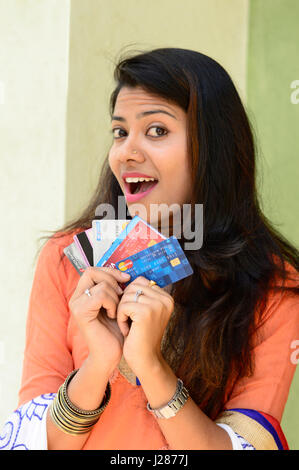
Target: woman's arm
pixel 86 391
pixel 47 355
pixel 265 391
pixel 190 428
pixel 48 358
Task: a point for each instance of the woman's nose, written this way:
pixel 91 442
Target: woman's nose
pixel 131 154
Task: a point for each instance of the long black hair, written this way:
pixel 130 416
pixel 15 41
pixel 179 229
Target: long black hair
pixel 243 257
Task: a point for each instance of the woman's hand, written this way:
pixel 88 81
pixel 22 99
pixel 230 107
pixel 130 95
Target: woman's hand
pixel 96 314
pixel 149 317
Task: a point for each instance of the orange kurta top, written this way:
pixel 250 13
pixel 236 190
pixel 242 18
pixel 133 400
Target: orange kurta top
pixel 54 347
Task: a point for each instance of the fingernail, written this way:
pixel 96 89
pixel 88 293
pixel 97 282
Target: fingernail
pixel 125 274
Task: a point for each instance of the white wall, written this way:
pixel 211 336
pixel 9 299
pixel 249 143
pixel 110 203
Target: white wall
pixel 33 93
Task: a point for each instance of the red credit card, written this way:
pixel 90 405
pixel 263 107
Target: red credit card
pixel 136 236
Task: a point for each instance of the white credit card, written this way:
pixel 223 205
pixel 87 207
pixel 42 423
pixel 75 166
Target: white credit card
pixel 104 234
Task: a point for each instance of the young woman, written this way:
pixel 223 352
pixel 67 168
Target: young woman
pixel 212 353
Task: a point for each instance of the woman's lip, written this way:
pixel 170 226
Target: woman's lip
pixel 135 174
pixel 135 197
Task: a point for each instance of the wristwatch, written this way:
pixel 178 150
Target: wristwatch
pixel 174 405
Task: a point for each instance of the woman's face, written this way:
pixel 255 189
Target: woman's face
pixel 157 131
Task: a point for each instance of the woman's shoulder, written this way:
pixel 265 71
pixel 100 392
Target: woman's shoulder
pixel 58 242
pixel 282 307
pixel 273 350
pixel 292 274
pixel 53 268
pixel 52 260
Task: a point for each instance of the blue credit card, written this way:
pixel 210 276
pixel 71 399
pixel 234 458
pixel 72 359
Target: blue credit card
pixel 164 262
pixel 135 237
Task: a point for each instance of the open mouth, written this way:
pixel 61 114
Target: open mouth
pixel 140 186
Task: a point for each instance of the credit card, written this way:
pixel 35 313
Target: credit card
pixel 165 262
pixel 105 232
pixel 135 237
pixel 84 242
pixel 74 255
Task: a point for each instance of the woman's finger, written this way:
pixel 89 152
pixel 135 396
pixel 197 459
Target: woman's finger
pixel 104 295
pixel 92 276
pixel 154 292
pixel 127 312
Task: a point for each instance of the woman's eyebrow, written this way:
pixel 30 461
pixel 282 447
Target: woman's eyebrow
pixel 144 113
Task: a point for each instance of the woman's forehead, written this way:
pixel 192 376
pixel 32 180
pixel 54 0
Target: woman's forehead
pixel 129 96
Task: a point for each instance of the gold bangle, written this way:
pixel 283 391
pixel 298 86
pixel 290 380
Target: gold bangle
pixel 65 421
pixel 79 411
pixel 71 419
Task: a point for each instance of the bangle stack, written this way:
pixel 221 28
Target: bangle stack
pixel 71 419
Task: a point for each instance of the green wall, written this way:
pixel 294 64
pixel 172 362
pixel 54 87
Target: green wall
pixel 273 64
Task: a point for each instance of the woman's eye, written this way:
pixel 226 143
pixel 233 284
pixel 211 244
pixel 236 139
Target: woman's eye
pixel 156 131
pixel 160 131
pixel 115 133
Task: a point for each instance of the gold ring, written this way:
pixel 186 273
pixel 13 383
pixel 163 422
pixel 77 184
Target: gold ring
pixel 152 283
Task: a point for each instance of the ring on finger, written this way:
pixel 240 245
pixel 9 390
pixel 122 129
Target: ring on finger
pixel 138 293
pixel 87 292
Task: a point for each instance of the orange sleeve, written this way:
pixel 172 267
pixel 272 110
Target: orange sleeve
pixel 47 358
pixel 268 388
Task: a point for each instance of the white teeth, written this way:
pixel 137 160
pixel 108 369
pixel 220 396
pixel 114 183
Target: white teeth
pixel 136 180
